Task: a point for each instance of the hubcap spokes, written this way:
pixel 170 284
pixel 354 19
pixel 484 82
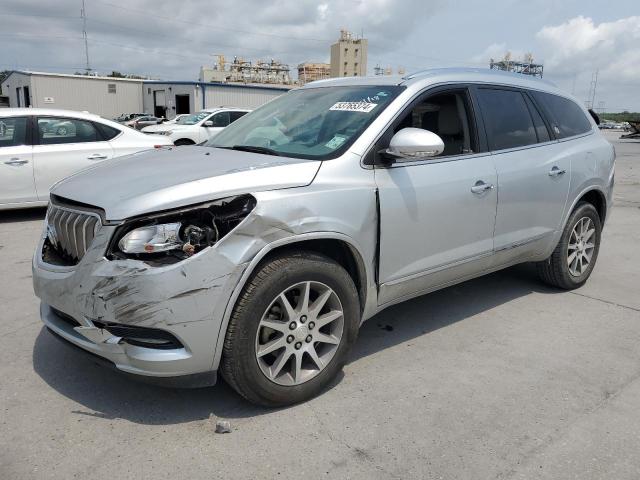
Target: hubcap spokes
pixel 299 333
pixel 581 246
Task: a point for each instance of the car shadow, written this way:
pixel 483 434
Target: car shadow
pixel 424 314
pixel 23 215
pixel 103 393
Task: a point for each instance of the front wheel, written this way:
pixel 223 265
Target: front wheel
pixel 291 329
pixel 574 258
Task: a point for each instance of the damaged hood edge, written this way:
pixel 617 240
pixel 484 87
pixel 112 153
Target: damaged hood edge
pixel 163 179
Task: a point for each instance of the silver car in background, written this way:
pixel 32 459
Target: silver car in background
pixel 260 254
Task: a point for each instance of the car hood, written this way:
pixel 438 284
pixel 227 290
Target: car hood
pixel 164 127
pixel 166 178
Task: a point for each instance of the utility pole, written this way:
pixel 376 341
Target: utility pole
pixel 84 35
pixel 592 89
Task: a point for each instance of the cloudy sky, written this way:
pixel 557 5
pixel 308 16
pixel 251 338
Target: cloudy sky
pixel 172 39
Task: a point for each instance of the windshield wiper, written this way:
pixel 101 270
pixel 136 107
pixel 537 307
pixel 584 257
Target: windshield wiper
pixel 251 148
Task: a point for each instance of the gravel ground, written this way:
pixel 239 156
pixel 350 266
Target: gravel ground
pixel 499 377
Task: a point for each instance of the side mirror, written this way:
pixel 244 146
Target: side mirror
pixel 208 123
pixel 414 143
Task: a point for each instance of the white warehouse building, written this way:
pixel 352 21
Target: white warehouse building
pixel 104 96
pixel 168 99
pixel 110 96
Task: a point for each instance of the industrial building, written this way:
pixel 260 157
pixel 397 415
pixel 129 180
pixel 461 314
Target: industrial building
pixel 310 72
pixel 241 70
pixel 349 56
pixel 526 67
pixel 110 97
pixel 105 96
pixel 168 99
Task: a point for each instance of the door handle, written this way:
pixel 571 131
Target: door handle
pixel 16 161
pixel 96 156
pixel 556 172
pixel 481 187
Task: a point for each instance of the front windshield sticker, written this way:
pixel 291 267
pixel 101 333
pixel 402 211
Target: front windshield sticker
pixel 363 107
pixel 335 142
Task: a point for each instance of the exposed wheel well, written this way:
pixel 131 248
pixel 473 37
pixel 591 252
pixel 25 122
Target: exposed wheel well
pixel 338 250
pixel 596 198
pixel 184 141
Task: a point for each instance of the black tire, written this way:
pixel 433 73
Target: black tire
pixel 239 365
pixel 555 269
pixel 183 141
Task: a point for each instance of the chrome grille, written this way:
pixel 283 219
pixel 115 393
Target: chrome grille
pixel 70 232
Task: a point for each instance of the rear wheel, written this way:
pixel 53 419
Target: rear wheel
pixel 574 258
pixel 291 330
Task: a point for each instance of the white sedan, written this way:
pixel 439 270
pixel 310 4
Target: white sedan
pixel 38 147
pixel 197 127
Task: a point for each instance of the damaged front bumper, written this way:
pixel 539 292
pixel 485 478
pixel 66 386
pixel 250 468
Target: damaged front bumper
pixel 153 321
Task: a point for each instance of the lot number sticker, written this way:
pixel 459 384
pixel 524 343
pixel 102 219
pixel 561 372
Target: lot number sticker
pixel 364 107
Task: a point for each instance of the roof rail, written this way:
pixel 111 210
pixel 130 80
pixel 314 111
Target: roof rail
pixel 430 71
pixel 481 70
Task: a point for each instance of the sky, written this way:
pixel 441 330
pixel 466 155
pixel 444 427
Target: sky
pixel 172 39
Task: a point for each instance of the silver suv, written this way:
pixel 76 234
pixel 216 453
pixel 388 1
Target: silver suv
pixel 260 254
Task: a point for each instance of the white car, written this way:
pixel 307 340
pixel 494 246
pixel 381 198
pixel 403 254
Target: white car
pixel 198 127
pixel 175 119
pixel 39 147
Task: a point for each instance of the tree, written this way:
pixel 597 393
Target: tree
pixel 3 74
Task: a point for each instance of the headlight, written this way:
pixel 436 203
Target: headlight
pixel 174 236
pixel 152 239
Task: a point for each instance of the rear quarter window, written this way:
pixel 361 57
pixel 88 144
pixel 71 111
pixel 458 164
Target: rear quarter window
pixel 566 117
pixel 107 132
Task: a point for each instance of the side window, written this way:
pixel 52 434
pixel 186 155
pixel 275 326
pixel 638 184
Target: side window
pixel 566 117
pixel 538 122
pixel 507 120
pixel 448 116
pixel 233 116
pixel 107 132
pixel 220 119
pixel 54 130
pixel 13 131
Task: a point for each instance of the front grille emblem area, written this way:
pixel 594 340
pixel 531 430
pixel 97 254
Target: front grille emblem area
pixel 68 235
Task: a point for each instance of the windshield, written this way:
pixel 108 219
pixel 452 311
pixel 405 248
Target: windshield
pixel 316 123
pixel 192 119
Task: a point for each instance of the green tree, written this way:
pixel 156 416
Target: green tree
pixel 3 74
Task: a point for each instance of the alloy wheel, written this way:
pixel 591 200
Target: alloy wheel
pixel 581 246
pixel 299 333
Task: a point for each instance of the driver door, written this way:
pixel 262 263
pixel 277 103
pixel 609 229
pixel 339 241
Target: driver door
pixel 219 120
pixel 437 214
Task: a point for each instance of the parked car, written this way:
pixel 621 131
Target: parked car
pixel 260 254
pixel 175 119
pixel 125 117
pixel 139 123
pixel 198 127
pixel 38 147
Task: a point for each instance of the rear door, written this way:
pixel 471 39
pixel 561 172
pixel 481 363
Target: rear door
pixel 16 162
pixel 436 214
pixel 533 172
pixel 65 145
